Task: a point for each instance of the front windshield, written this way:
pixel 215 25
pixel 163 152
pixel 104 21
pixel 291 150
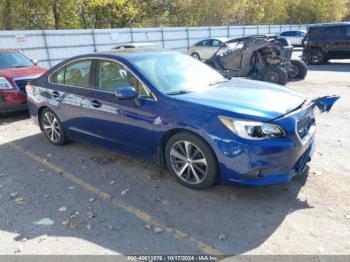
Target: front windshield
pixel 173 72
pixel 13 59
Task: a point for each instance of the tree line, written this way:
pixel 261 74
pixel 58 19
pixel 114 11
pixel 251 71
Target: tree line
pixel 75 14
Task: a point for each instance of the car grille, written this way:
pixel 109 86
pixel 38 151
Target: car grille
pixel 21 85
pixel 304 125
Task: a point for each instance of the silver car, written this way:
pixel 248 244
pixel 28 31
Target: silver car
pixel 294 37
pixel 206 48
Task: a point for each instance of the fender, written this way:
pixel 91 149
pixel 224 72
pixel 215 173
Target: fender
pixel 325 103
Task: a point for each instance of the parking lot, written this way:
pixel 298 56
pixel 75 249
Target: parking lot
pixel 80 199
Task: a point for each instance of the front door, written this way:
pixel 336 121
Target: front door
pixel 126 124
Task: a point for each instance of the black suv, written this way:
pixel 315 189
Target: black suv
pixel 326 41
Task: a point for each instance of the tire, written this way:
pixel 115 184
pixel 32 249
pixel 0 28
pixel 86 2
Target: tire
pixel 52 127
pixel 275 74
pixel 299 69
pixel 196 167
pixel 316 57
pixel 196 56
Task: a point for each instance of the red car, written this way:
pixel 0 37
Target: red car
pixel 16 71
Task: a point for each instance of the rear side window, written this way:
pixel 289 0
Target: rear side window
pixel 74 74
pixel 348 31
pixel 328 33
pixel 337 32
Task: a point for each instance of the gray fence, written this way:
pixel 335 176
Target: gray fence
pixel 52 46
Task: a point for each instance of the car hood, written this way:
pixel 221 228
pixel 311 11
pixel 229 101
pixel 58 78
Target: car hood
pixel 246 98
pixel 27 71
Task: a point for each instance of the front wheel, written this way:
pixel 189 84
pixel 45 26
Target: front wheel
pixel 52 127
pixel 191 161
pixel 275 74
pixel 196 56
pixel 299 69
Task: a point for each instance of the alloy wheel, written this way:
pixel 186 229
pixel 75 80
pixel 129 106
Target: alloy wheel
pixel 51 127
pixel 188 162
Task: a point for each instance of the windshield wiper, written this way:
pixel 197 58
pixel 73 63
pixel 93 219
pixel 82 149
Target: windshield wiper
pixel 18 66
pixel 180 92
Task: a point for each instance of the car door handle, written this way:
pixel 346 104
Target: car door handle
pixel 96 103
pixel 55 94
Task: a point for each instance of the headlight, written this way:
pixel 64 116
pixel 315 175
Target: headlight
pixel 251 129
pixel 4 84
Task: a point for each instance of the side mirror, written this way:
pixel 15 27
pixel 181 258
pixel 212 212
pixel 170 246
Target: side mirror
pixel 126 93
pixel 35 61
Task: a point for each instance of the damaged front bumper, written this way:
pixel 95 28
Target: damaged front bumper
pixel 274 161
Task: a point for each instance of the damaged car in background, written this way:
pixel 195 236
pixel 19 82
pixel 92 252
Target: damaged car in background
pixel 167 107
pixel 266 58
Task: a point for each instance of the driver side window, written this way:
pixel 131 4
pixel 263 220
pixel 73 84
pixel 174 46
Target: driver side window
pixel 111 75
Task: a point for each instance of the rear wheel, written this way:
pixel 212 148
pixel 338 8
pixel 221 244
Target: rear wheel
pixel 191 161
pixel 316 57
pixel 275 74
pixel 299 69
pixel 52 127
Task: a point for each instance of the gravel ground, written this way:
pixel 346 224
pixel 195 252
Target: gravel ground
pixel 80 199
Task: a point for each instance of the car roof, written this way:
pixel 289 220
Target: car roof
pixel 329 24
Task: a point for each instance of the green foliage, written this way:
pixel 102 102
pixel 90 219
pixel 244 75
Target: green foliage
pixel 64 14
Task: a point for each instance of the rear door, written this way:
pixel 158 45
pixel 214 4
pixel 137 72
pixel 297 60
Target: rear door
pixel 70 98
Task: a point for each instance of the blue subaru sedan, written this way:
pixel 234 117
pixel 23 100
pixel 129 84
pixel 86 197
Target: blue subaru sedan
pixel 170 108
